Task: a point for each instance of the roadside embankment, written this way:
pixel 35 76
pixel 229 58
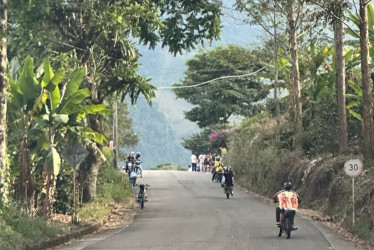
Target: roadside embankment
pixel 262 166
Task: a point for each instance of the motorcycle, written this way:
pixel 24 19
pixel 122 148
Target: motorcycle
pixel 138 168
pixel 128 167
pixel 227 190
pixel 286 222
pixel 142 195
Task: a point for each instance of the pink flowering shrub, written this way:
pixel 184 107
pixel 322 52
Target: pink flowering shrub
pixel 213 135
pixel 218 139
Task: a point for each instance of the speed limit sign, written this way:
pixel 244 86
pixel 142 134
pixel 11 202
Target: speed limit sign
pixel 353 167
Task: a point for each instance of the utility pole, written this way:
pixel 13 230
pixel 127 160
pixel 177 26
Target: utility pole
pixel 277 139
pixel 115 135
pixel 117 146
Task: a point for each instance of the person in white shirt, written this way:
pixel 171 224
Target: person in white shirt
pixel 193 162
pixel 201 163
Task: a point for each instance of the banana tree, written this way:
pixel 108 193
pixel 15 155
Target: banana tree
pixel 354 33
pixel 365 20
pixel 318 75
pixel 50 117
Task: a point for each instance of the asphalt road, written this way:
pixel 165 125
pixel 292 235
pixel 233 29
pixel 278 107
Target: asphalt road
pixel 186 210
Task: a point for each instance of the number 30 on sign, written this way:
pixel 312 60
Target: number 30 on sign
pixel 353 167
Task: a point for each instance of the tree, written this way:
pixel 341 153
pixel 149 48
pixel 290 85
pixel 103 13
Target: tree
pixel 99 35
pixel 3 94
pixel 292 11
pixel 368 144
pixel 44 120
pixel 265 15
pixel 209 140
pixel 334 11
pixel 340 74
pixel 219 82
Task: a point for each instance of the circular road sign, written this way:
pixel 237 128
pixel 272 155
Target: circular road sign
pixel 353 167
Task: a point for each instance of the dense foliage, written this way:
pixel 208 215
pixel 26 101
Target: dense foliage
pixel 211 85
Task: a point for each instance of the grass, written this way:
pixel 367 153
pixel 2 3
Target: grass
pixel 169 166
pixel 18 230
pixel 112 186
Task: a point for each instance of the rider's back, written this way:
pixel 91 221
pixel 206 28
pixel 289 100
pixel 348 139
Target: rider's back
pixel 288 200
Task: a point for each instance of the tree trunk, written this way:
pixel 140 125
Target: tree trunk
pixel 46 196
pixel 295 74
pixel 340 85
pixel 3 93
pixel 92 169
pixel 366 89
pixel 26 187
pixel 50 193
pixel 92 165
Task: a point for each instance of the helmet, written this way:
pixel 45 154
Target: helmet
pixel 225 169
pixel 132 153
pixel 137 155
pixel 217 158
pixel 287 186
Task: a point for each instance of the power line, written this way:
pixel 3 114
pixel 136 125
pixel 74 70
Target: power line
pixel 212 80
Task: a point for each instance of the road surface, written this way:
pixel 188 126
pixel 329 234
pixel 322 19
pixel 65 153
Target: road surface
pixel 185 210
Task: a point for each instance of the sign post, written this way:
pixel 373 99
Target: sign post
pixel 74 154
pixel 353 168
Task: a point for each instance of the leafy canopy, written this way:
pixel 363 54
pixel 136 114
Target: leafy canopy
pixel 101 35
pixel 216 101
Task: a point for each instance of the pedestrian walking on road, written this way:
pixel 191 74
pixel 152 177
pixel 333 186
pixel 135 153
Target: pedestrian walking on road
pixel 193 162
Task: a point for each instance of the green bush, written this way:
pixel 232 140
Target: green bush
pixel 64 191
pixel 98 210
pixel 363 228
pixel 320 135
pixel 9 239
pixel 113 185
pixel 258 163
pixel 18 230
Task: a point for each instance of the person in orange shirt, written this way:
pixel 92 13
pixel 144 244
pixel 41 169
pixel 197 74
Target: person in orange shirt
pixel 288 200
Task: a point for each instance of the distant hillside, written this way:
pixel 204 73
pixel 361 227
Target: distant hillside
pixel 162 127
pixel 157 139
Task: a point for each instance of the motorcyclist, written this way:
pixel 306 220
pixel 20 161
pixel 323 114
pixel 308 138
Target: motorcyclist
pixel 217 164
pixel 288 200
pixel 219 171
pixel 229 178
pixel 130 159
pixel 138 166
pixel 137 156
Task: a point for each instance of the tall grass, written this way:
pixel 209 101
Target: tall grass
pixel 169 166
pixel 258 163
pixel 18 230
pixel 112 186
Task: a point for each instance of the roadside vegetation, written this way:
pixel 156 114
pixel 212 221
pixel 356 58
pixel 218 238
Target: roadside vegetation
pixel 169 166
pixel 65 66
pixel 302 103
pixel 19 230
pixel 293 108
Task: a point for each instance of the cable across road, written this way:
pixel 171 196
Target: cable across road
pixel 209 81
